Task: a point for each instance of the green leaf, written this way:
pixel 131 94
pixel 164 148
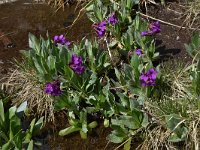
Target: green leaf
pixel 29 131
pixel 34 43
pixel 38 66
pixel 98 14
pixel 197 80
pixel 93 79
pixel 174 137
pixel 196 39
pixel 30 145
pixel 145 121
pixel 51 62
pixel 2 111
pixel 90 8
pixel 92 125
pixel 83 134
pixel 132 122
pixel 156 56
pixel 127 145
pixel 189 49
pixel 68 130
pixel 115 139
pixel 105 65
pixel 21 109
pixel 84 128
pixel 129 4
pixel 61 103
pixel 163 2
pixel 113 43
pixel 12 111
pixel 199 106
pixel 106 123
pixel 38 125
pixel 174 123
pixel 7 146
pixel 136 2
pixel 124 100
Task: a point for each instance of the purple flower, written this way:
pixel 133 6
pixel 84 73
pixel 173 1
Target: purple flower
pixel 100 28
pixel 76 64
pixel 61 40
pixel 145 33
pixel 149 78
pixel 154 27
pixel 138 52
pixel 113 19
pixel 53 88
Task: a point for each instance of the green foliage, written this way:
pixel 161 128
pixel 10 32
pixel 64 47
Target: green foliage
pixel 117 98
pixel 44 58
pixel 193 47
pixel 106 92
pixel 175 124
pixel 11 133
pixel 113 92
pixel 80 125
pixel 194 50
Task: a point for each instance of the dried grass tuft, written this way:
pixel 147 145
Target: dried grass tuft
pixel 156 139
pixel 22 86
pixel 178 99
pixel 191 13
pixel 60 4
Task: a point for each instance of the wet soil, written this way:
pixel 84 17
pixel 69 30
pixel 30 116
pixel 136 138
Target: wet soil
pixel 96 138
pixel 170 42
pixel 19 18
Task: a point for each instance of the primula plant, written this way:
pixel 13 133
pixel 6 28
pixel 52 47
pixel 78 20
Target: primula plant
pixel 78 80
pixel 13 136
pixel 53 88
pixel 82 78
pixel 61 40
pixel 121 29
pixel 154 28
pixel 76 64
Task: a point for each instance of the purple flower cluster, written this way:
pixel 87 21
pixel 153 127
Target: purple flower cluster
pixel 113 19
pixel 138 52
pixel 53 88
pixel 100 28
pixel 61 40
pixel 154 27
pixel 76 64
pixel 149 78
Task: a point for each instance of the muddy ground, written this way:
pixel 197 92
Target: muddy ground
pixel 19 18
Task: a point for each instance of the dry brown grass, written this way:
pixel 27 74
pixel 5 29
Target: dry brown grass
pixel 60 4
pixel 179 100
pixel 156 139
pixel 22 86
pixel 192 13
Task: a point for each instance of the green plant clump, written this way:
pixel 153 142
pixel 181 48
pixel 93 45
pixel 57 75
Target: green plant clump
pixel 129 93
pixel 12 135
